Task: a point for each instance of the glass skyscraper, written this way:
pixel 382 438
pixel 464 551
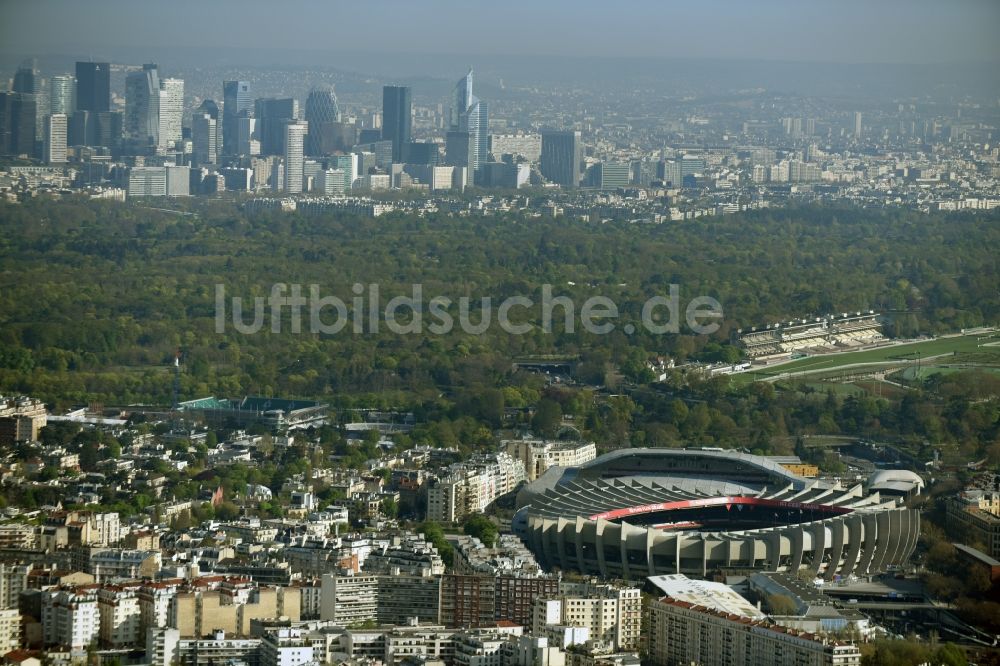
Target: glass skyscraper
pixel 322 112
pixel 62 93
pixel 93 86
pixel 142 106
pixel 237 101
pixel 470 114
pixel 272 115
pixel 397 119
pixel 562 152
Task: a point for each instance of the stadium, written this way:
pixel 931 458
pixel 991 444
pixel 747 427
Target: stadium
pixel 634 513
pixel 819 335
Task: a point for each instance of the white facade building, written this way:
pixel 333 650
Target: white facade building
pixel 171 112
pixel 147 182
pixel 538 455
pixel 295 136
pixel 70 617
pixel 55 138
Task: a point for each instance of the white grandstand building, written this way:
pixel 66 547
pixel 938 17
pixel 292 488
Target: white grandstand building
pixel 820 334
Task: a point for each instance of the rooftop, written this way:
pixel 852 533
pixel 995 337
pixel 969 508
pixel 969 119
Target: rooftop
pixel 716 596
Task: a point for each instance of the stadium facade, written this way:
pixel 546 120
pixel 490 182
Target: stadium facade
pixel 817 335
pixel 280 415
pixel 644 512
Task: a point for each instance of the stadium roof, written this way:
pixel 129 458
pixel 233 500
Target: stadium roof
pixel 717 596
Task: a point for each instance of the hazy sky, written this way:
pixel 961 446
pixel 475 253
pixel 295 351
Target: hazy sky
pixel 888 31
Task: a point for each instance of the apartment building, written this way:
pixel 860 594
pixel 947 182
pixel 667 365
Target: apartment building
pixel 611 614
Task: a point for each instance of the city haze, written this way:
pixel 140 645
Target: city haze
pixel 851 31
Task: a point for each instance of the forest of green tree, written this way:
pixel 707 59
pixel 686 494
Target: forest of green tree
pixel 96 298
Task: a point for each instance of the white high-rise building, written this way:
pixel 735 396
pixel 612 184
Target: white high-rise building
pixel 204 137
pixel 528 146
pixel 171 112
pixel 347 600
pixel 147 182
pixel 285 647
pixel 62 94
pixel 538 455
pixel 55 138
pixel 331 181
pixel 10 630
pixel 70 618
pixel 161 646
pixel 178 181
pixel 295 136
pixel 470 114
pixel 611 614
pixel 120 615
pixel 13 581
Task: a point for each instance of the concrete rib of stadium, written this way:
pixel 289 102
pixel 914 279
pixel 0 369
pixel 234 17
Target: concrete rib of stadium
pixel 642 512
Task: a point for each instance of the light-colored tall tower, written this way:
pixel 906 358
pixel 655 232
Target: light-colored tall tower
pixel 142 106
pixel 204 137
pixel 470 114
pixel 62 94
pixel 55 138
pixel 171 112
pixel 295 136
pixel 857 124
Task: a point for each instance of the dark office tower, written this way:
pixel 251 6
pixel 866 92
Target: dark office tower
pixel 425 153
pixel 6 98
pixel 322 113
pixel 562 152
pixel 17 124
pixel 459 149
pixel 28 82
pixel 397 118
pixel 272 115
pixel 210 107
pixel 26 78
pixel 79 129
pixel 339 136
pixel 236 100
pixel 142 107
pixel 93 86
pixel 107 130
pixel 369 135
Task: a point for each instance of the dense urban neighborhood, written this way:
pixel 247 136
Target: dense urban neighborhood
pixel 438 334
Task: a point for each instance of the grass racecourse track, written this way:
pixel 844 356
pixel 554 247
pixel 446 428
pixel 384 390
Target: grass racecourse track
pixel 890 355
